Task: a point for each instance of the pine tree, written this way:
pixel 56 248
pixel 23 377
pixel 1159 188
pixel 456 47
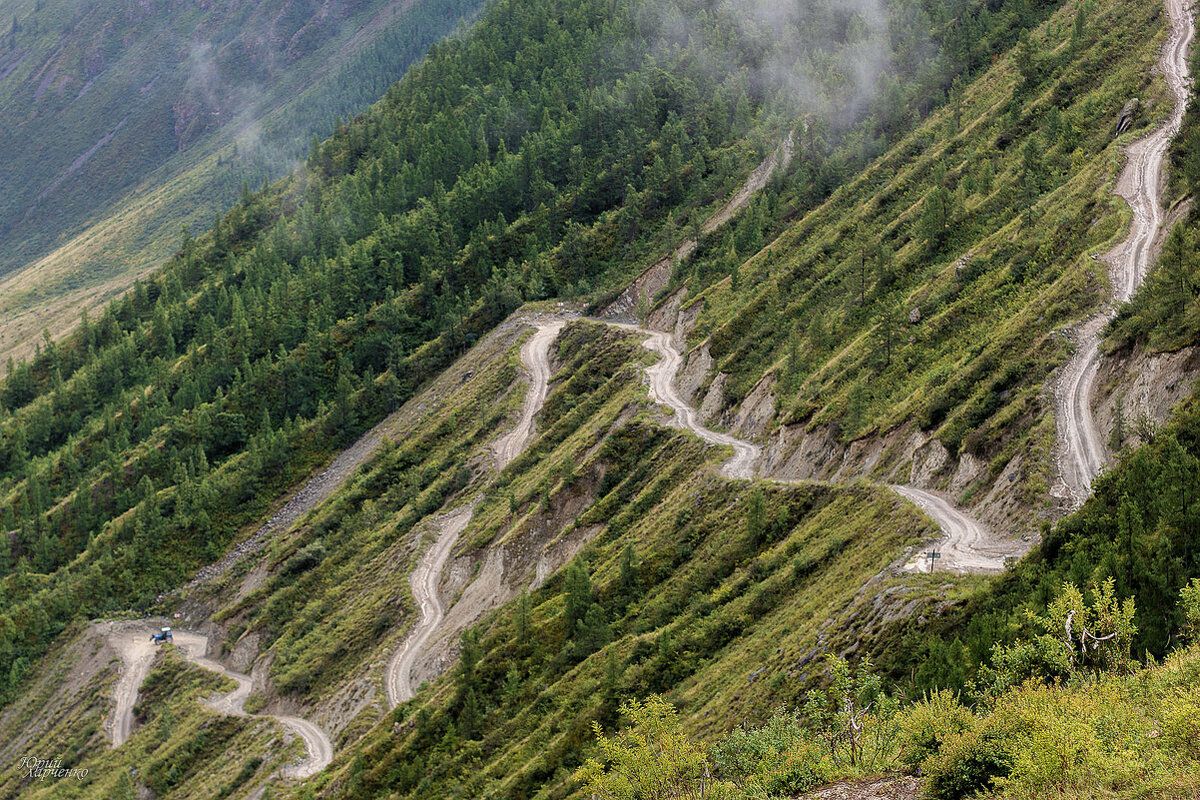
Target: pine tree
pixel 629 582
pixel 593 632
pixel 935 218
pixel 577 588
pixel 521 623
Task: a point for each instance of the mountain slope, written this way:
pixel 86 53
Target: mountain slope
pixel 905 329
pixel 320 304
pixel 123 122
pixel 146 444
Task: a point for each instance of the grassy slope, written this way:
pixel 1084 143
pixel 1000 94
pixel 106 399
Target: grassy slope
pixel 972 369
pixel 721 596
pixel 718 593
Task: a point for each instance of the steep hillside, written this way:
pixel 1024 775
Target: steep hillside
pixel 122 122
pixel 363 439
pixel 317 306
pixel 906 329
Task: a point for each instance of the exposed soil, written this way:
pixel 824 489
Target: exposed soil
pixel 535 359
pixel 968 546
pixel 1082 450
pixel 398 680
pixel 137 654
pixel 894 787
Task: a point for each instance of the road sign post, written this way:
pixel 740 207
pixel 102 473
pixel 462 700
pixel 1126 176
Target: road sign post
pixel 931 555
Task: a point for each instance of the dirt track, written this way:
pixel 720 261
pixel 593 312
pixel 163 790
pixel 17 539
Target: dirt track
pixel 968 546
pixel 535 358
pixel 398 680
pixel 753 185
pixel 1081 445
pixel 137 654
pixel 743 464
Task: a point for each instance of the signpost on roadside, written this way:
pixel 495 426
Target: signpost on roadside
pixel 931 555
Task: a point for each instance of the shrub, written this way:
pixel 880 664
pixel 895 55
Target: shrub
pixel 304 560
pixel 1189 604
pixel 854 716
pixel 968 762
pixel 777 758
pixel 928 725
pixel 652 758
pixel 797 770
pixel 1180 722
pixel 1066 742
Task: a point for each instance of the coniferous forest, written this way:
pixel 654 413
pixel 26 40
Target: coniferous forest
pixel 889 317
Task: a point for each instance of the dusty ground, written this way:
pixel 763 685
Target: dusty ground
pixel 890 788
pixel 399 681
pixel 424 579
pixel 1082 450
pixel 969 546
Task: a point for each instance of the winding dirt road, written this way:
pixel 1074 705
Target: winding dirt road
pixel 968 546
pixel 398 679
pixel 1081 447
pixel 535 358
pixel 744 463
pixel 137 654
pixel 316 741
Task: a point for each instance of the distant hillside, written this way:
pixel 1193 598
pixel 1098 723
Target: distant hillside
pixel 122 121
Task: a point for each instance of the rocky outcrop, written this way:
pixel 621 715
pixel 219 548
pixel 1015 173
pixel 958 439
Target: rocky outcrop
pixel 756 412
pixel 645 287
pixel 714 399
pixel 696 366
pixel 1144 387
pixel 1128 115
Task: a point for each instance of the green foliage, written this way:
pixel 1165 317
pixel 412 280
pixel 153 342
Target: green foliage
pixel 1134 537
pixel 1164 314
pixel 316 307
pixel 967 764
pixel 781 757
pixel 853 716
pixel 651 760
pixel 1092 637
pixel 928 725
pixel 981 219
pixel 1189 603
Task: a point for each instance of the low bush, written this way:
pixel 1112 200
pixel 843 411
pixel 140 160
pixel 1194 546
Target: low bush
pixel 928 725
pixel 781 757
pixel 967 763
